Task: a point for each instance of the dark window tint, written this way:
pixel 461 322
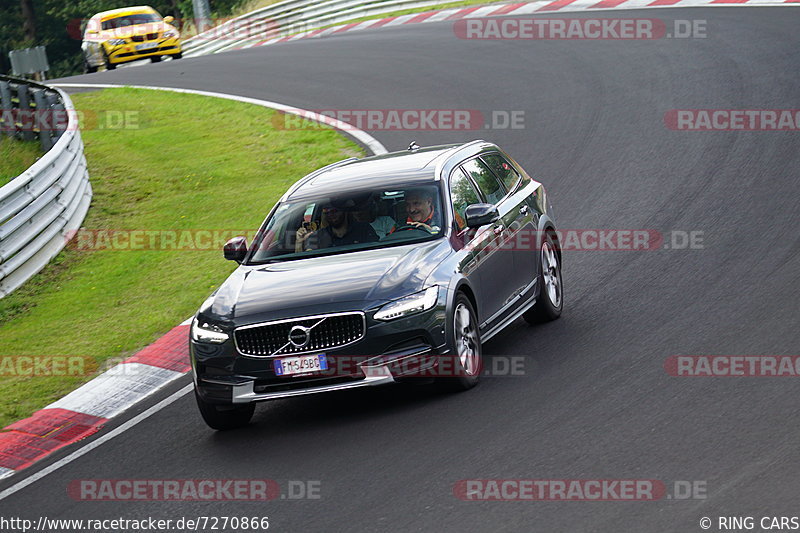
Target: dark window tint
pixel 502 169
pixel 463 193
pixel 491 188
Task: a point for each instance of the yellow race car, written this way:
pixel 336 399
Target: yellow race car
pixel 128 34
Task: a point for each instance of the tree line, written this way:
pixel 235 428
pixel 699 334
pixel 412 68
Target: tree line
pixel 58 25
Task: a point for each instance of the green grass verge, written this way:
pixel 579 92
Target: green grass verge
pixel 192 162
pixel 16 156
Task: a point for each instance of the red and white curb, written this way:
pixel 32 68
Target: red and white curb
pixel 86 410
pixel 494 10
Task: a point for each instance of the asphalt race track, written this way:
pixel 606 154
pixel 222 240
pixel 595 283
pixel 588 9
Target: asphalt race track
pixel 595 401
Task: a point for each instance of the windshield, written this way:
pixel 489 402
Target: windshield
pixel 350 221
pixel 130 20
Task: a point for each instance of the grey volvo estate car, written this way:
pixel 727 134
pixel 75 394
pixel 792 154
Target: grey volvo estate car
pixel 376 270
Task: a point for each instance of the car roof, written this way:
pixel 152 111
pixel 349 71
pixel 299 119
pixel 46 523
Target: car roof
pixel 405 167
pixel 133 10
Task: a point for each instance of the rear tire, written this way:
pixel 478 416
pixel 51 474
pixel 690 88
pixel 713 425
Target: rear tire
pixel 224 417
pixel 155 59
pixel 465 348
pixel 550 302
pixel 177 56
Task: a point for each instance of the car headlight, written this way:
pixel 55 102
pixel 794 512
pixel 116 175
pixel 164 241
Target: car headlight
pixel 169 34
pixel 206 332
pixel 409 305
pixel 116 42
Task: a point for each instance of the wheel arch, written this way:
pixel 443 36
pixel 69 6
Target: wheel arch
pixel 461 285
pixel 547 226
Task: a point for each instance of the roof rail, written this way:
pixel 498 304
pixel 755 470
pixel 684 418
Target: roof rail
pixel 447 155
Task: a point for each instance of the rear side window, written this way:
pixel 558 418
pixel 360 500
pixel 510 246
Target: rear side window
pixel 463 194
pixel 502 170
pixel 492 190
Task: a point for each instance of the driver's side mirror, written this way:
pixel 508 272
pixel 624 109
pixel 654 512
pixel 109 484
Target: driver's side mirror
pixel 235 249
pixel 478 215
pixel 169 19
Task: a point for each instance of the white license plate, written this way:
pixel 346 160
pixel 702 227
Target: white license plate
pixel 300 365
pixel 146 46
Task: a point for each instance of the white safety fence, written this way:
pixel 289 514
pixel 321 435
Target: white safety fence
pixel 42 207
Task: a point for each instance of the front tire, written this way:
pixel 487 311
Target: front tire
pixel 224 417
pixel 87 67
pixel 109 64
pixel 155 59
pixel 466 350
pixel 550 302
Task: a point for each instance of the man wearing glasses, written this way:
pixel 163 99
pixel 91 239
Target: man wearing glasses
pixel 342 230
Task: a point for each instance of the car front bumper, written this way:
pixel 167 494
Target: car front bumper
pixel 128 52
pixel 404 349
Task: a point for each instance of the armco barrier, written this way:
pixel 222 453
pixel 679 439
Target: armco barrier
pixel 42 206
pixel 289 17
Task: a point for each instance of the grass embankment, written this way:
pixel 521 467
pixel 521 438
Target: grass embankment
pixel 16 156
pixel 182 162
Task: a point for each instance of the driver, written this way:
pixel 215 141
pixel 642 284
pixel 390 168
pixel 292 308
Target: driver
pixel 340 231
pixel 421 211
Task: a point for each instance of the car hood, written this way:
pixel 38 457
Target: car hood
pixel 350 281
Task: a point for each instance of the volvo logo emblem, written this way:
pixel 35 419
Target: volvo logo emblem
pixel 300 336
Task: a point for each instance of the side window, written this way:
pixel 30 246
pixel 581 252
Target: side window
pixel 502 170
pixel 491 188
pixel 463 193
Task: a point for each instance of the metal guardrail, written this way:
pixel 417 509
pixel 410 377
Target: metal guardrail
pixel 288 18
pixel 41 208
